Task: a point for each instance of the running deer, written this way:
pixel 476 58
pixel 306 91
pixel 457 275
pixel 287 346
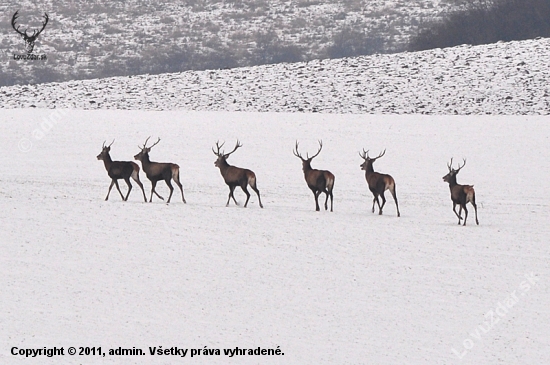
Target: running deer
pixel 319 181
pixel 460 194
pixel 235 176
pixel 120 170
pixel 156 171
pixel 378 183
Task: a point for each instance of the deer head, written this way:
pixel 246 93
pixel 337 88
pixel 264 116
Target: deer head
pixel 222 156
pixel 451 176
pixel 145 150
pixel 369 160
pixel 29 39
pixel 105 151
pixel 306 162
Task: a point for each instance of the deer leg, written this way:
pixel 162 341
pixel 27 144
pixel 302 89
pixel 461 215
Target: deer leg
pixel 316 195
pixel 458 215
pixel 167 181
pixel 329 193
pixel 110 187
pixel 257 193
pixel 135 176
pixel 231 189
pixel 475 209
pixel 153 185
pixel 465 213
pixel 377 202
pixel 383 203
pixel 373 202
pixel 118 188
pixel 395 200
pixel 176 178
pixel 247 194
pixel 127 179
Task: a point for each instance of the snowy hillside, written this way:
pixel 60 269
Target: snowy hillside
pixel 348 287
pixel 503 78
pixel 98 38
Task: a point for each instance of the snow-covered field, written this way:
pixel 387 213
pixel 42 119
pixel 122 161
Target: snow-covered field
pixel 503 78
pixel 348 287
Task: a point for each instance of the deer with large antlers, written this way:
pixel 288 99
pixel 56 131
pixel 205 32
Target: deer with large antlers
pixel 460 194
pixel 120 170
pixel 235 176
pixel 156 171
pixel 378 183
pixel 29 39
pixel 319 181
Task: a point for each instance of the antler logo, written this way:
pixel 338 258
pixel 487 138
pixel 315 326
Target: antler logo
pixel 29 39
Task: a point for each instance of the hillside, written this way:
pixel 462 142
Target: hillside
pixel 501 78
pixel 100 38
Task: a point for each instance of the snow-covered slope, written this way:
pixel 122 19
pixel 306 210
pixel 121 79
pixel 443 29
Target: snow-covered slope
pixel 502 78
pixel 348 287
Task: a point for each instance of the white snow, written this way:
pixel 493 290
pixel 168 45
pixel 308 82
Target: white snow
pixel 503 78
pixel 348 287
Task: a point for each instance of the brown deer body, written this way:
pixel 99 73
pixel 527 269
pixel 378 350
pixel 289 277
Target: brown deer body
pixel 378 183
pixel 120 170
pixel 318 181
pixel 235 176
pixel 460 194
pixel 156 171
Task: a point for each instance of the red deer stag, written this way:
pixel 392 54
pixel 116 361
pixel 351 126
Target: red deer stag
pixel 460 194
pixel 378 183
pixel 319 181
pixel 120 170
pixel 156 171
pixel 235 176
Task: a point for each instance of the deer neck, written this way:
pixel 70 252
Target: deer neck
pixel 307 167
pixel 145 161
pixel 107 161
pixel 223 166
pixel 369 169
pixel 452 182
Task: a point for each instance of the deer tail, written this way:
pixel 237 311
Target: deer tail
pixel 330 181
pixel 135 173
pixel 175 172
pixel 470 193
pixel 251 179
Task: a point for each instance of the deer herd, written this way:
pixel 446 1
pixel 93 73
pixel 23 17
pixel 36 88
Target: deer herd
pixel 318 181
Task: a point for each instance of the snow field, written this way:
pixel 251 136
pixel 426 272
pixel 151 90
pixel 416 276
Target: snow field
pixel 346 287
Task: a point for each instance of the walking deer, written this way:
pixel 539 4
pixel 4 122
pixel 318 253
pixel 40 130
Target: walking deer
pixel 378 183
pixel 120 170
pixel 460 194
pixel 235 176
pixel 156 171
pixel 319 181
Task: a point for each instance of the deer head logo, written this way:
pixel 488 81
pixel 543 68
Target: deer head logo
pixel 29 39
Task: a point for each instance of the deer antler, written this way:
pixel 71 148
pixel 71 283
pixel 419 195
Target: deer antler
pixel 320 148
pixel 219 154
pixel 43 25
pixel 13 20
pixel 234 149
pixel 450 165
pixel 35 33
pixel 381 154
pixel 459 167
pixel 145 144
pixel 365 154
pixel 296 153
pixel 154 144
